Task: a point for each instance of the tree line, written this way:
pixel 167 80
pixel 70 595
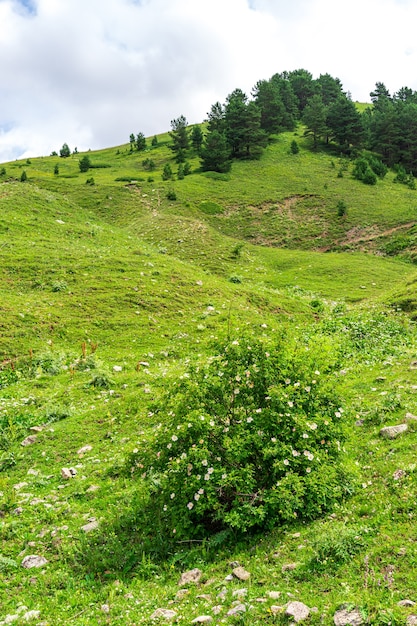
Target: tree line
pixel 240 127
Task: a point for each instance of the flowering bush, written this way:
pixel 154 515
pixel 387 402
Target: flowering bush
pixel 248 440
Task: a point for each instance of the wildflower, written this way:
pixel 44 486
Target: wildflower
pixel 305 436
pixel 317 373
pixel 183 456
pixel 273 439
pixel 172 496
pixel 169 446
pixel 189 468
pixel 202 418
pixel 235 343
pixel 236 391
pixel 295 453
pixel 204 462
pixel 249 420
pixel 338 414
pixel 296 384
pixel 312 425
pixel 258 411
pixel 211 423
pixel 165 507
pixel 196 497
pixel 210 470
pixel 308 470
pixel 201 491
pixel 190 505
pixel 238 378
pixel 174 438
pixel 287 381
pixel 286 462
pixel 224 476
pixel 308 389
pixel 207 476
pixel 290 404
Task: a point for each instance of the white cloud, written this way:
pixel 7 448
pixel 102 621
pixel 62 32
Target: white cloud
pixel 90 72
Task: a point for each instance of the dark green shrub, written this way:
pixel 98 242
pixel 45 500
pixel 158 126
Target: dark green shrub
pixel 56 170
pixel 84 164
pixel 90 181
pixel 23 177
pixel 167 172
pixel 341 208
pixel 171 195
pixel 250 439
pixel 294 148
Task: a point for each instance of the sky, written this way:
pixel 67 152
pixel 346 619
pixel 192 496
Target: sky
pixel 91 72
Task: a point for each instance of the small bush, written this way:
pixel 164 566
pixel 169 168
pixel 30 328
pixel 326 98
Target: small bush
pixel 341 208
pixel 248 440
pixel 90 181
pixel 235 279
pixel 294 148
pixel 84 164
pixel 338 544
pixel 59 285
pixel 167 172
pixel 23 177
pixel 171 195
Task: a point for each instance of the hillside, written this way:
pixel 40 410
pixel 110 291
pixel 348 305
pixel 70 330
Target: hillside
pixel 111 290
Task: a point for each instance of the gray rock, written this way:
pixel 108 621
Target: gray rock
pixel 411 620
pixel 166 614
pixel 202 619
pixel 29 440
pixel 391 432
pixel 276 609
pixel 105 608
pixel 68 472
pixel 298 611
pixel 239 608
pixel 192 576
pixel 217 609
pixel 33 560
pixel 406 603
pixel 87 528
pixel 288 567
pixel 344 617
pixel 31 615
pixel 181 593
pixel 241 573
pixel 274 595
pixel 410 417
pixel 239 593
pixel 84 449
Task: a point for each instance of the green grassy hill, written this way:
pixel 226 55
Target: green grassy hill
pixel 110 290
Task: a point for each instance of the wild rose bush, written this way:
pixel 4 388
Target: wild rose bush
pixel 251 439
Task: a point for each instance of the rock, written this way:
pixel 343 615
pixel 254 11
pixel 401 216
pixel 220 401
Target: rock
pixel 87 528
pixel 33 560
pixel 29 440
pixel 164 614
pixel 31 615
pixel 117 368
pixel 105 608
pixel 229 578
pixel 406 603
pixel 410 417
pixel 216 609
pixel 202 619
pixel 32 472
pixel 9 619
pixel 398 474
pixel 192 576
pixel 391 432
pixel 274 595
pixel 298 611
pixel 92 488
pixel 85 449
pixel 239 593
pixel 288 567
pixel 241 573
pixel 68 472
pixel 344 617
pixel 239 608
pixel 181 593
pixel 275 609
pixel 205 596
pixel 19 486
pixel 37 429
pixel 411 620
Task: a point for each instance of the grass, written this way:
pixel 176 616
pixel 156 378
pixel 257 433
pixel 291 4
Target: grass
pixel 107 292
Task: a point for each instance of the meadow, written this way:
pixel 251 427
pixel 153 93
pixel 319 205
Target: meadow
pixel 114 290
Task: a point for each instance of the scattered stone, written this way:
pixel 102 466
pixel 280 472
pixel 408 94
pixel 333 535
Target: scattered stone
pixel 164 614
pixel 275 609
pixel 288 567
pixel 229 578
pixel 92 488
pixel 298 611
pixel 68 472
pixel 18 511
pixel 239 608
pixel 31 615
pixel 216 609
pixel 85 449
pixel 19 486
pixel 105 608
pixel 406 603
pixel 296 535
pixel 234 564
pixel 398 474
pixel 32 472
pixel 10 618
pixel 274 595
pixel 37 429
pixel 33 560
pixel 87 528
pixel 241 573
pixel 205 596
pixel 410 417
pixel 222 595
pixel 181 593
pixel 192 576
pixel 344 617
pixel 261 600
pixel 239 593
pixel 391 432
pixel 117 368
pixel 359 422
pixel 29 440
pixel 202 619
pixel 411 620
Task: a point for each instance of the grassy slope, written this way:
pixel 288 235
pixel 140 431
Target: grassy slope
pixel 149 281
